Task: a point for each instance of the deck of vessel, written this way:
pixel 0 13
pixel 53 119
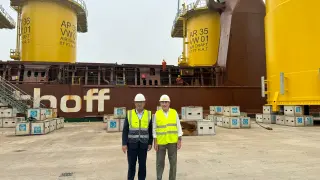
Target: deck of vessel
pixel 93 154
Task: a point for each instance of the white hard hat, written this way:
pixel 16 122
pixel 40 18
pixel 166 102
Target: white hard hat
pixel 164 98
pixel 139 97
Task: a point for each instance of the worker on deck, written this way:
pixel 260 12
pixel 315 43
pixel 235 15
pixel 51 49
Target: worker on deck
pixel 179 80
pixel 164 65
pixel 137 137
pixel 167 133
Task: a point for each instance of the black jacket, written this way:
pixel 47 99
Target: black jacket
pixel 125 133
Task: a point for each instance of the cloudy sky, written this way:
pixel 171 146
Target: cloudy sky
pixel 122 31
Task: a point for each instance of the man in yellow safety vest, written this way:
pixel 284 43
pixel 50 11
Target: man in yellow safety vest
pixel 137 137
pixel 167 133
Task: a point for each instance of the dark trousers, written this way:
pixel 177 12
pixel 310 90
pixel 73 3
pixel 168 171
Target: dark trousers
pixel 134 153
pixel 172 155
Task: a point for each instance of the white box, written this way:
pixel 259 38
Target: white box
pixel 213 118
pixel 40 127
pixel 299 120
pixel 9 122
pixel 205 127
pixel 231 110
pixel 58 123
pixel 290 121
pixel 245 122
pixel 308 121
pixel 220 121
pixel 218 110
pixel 113 125
pixel 232 122
pixel 38 114
pixel 7 112
pixel 269 118
pixel 119 112
pixel 280 119
pixel 293 110
pixel 48 113
pixel 191 113
pixel 106 117
pixel 23 128
pixel 259 118
pixel 20 119
pixel 52 124
pixel 54 113
pixel 61 122
pixel 268 110
pixel 121 124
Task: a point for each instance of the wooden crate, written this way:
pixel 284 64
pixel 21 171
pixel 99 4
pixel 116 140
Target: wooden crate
pixel 189 128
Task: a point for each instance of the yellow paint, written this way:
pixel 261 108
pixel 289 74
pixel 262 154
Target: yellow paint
pixel 203 33
pixel 292 46
pixel 49 32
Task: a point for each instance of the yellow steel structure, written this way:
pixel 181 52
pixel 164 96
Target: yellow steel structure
pixel 292 48
pixel 200 29
pixel 48 30
pixel 203 34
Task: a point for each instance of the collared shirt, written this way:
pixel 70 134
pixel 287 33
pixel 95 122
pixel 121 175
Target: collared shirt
pixel 180 133
pixel 140 114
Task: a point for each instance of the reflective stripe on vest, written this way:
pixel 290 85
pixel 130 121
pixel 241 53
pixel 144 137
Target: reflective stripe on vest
pixel 138 128
pixel 166 127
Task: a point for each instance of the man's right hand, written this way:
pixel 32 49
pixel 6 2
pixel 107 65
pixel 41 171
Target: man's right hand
pixel 155 145
pixel 124 149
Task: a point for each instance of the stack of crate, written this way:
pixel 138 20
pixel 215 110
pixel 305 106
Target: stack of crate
pixel 116 121
pixel 46 121
pixel 232 118
pixel 8 117
pixel 294 116
pixel 268 116
pixel 216 112
pixel 192 122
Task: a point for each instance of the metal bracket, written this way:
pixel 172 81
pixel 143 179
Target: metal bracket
pixel 263 92
pixel 282 83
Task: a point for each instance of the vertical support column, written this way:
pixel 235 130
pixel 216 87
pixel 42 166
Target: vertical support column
pixel 201 74
pixel 135 77
pixel 169 76
pixel 99 75
pixel 111 75
pixel 124 76
pixel 19 72
pixel 86 76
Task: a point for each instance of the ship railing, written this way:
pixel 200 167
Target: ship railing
pixel 6 15
pixel 82 4
pixel 18 96
pixel 189 7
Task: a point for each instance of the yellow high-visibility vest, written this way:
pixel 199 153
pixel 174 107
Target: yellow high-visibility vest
pixel 138 129
pixel 166 127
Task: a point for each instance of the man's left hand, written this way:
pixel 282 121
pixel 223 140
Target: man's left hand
pixel 149 147
pixel 179 144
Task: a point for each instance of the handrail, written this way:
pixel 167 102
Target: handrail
pixel 6 15
pixel 189 7
pixel 82 4
pixel 18 89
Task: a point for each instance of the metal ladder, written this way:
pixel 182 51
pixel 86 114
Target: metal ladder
pixel 9 95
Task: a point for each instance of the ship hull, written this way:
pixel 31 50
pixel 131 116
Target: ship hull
pixel 83 101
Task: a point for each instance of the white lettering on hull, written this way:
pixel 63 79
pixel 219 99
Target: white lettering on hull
pixel 92 94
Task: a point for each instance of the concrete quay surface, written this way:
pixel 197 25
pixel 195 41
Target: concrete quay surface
pixel 85 151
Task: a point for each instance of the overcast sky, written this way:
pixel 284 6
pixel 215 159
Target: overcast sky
pixel 122 31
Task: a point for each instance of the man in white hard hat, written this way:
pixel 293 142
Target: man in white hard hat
pixel 167 133
pixel 137 137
